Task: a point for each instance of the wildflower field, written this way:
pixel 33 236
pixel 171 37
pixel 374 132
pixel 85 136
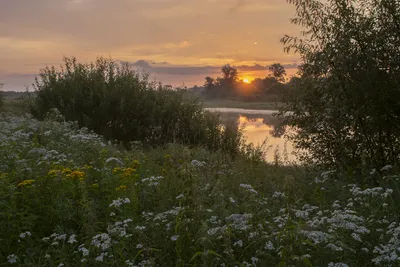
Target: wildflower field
pixel 67 198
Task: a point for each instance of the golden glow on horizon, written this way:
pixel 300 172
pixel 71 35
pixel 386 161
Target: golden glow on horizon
pixel 246 80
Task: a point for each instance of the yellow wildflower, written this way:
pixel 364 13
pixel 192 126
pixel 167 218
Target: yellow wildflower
pixel 26 183
pixel 53 173
pixel 121 188
pixel 116 170
pixel 77 174
pixel 128 172
pixel 66 171
pixel 135 164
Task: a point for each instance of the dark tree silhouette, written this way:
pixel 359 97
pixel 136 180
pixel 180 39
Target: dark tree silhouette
pixel 278 72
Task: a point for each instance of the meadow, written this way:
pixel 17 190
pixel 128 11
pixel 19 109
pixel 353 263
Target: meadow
pixel 109 167
pixel 68 198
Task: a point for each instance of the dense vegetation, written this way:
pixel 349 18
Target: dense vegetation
pixel 68 199
pixel 1 96
pixel 347 103
pixel 120 104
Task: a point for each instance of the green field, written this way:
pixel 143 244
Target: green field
pixel 14 106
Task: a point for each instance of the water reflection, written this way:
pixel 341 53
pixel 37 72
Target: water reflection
pixel 260 127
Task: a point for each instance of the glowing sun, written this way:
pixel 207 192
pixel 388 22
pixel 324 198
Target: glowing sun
pixel 246 81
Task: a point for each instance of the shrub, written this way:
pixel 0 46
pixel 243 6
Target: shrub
pixel 121 104
pixel 1 97
pixel 347 103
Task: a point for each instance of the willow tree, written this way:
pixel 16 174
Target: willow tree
pixel 346 104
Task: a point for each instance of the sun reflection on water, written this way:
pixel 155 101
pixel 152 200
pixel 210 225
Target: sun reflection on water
pixel 256 130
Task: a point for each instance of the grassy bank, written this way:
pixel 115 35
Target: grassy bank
pixel 239 104
pixel 15 106
pixel 69 199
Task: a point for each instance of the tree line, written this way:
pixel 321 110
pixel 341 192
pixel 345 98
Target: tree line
pixel 229 86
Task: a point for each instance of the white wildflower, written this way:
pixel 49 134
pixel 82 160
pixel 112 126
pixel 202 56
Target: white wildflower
pixel 23 235
pixel 117 160
pixel 85 252
pixel 12 258
pixel 254 260
pixel 140 228
pixel 174 237
pixel 197 163
pixel 238 243
pixel 101 256
pixel 277 194
pixel 337 264
pixel 72 239
pixel 334 247
pixel 365 250
pixel 356 237
pixel 118 202
pixel 102 241
pixel 269 246
pixel 249 188
pixel 387 168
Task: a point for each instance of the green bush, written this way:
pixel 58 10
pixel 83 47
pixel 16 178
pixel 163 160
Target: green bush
pixel 1 97
pixel 346 105
pixel 121 104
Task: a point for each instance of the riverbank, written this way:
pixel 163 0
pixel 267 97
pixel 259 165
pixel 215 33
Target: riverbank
pixel 242 105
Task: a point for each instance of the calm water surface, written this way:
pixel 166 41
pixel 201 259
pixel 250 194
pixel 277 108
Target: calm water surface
pixel 258 126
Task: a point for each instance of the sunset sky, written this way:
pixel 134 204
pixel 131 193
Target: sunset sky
pixel 177 41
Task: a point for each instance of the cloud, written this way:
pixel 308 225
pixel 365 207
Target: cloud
pixel 170 69
pixel 291 66
pixel 142 64
pixel 182 44
pixel 255 67
pixel 195 35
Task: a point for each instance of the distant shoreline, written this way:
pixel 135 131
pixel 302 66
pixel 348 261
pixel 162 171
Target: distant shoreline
pixel 273 106
pixel 244 111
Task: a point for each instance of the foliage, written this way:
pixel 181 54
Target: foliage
pixel 346 104
pixel 278 72
pixel 229 87
pixel 1 96
pixel 69 199
pixel 120 104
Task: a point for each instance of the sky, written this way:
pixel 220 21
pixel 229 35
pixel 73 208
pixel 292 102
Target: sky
pixel 176 41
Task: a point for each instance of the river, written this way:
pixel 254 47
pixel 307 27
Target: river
pixel 258 125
